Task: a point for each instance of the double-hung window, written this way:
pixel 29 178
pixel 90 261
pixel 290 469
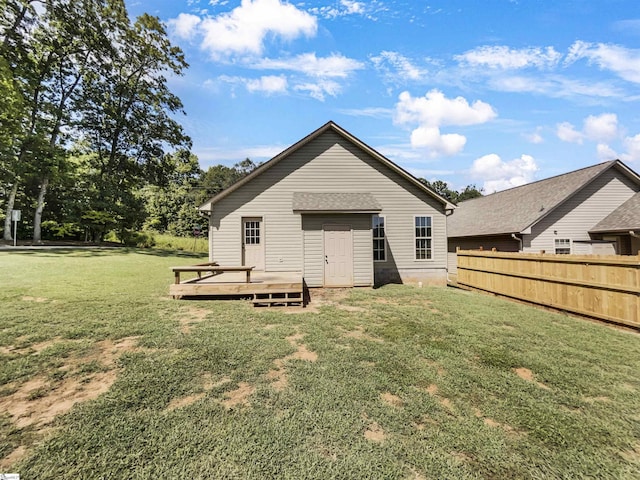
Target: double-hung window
pixel 562 246
pixel 423 238
pixel 379 240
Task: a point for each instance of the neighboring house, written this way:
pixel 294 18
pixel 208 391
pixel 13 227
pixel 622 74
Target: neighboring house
pixel 583 211
pixel 622 226
pixel 334 210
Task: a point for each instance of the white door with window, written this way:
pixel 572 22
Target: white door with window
pixel 338 256
pixel 253 242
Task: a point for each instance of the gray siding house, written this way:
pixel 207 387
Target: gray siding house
pixel 570 213
pixel 334 210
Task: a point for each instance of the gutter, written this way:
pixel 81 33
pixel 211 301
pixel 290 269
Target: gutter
pixel 515 237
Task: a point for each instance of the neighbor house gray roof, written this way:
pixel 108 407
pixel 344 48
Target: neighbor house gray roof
pixel 624 218
pixel 516 210
pixel 335 202
pixel 313 135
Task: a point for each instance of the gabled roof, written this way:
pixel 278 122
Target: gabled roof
pixel 516 210
pixel 623 219
pixel 329 126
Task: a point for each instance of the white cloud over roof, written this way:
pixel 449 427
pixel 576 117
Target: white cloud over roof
pixel 497 174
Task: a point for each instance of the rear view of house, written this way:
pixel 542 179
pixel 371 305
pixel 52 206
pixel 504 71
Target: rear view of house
pixel 334 210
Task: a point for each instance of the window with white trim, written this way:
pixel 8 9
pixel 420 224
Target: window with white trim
pixel 379 239
pixel 562 246
pixel 423 238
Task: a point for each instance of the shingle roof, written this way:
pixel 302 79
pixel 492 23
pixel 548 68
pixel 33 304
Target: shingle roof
pixel 624 218
pixel 517 209
pixel 335 202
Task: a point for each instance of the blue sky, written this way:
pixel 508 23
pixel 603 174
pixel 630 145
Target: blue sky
pixel 494 93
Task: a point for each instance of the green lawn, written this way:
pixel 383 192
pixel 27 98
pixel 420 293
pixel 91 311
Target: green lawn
pixel 103 376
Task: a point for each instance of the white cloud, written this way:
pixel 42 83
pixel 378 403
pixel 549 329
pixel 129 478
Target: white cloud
pixel 185 25
pixel 596 128
pixel 268 84
pixel 632 145
pixel 601 127
pixel 333 66
pixel 567 133
pixel 505 58
pixel 435 110
pixel 243 30
pixel 398 67
pixel 534 137
pixel 497 175
pixel 320 89
pixel 345 7
pixel 605 152
pixel 625 62
pixel 554 86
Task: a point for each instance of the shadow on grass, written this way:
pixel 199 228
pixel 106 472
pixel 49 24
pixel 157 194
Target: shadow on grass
pixel 102 252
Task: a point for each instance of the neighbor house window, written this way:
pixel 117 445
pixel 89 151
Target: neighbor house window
pixel 562 246
pixel 423 238
pixel 379 241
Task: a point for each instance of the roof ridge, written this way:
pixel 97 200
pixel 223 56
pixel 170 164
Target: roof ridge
pixel 572 172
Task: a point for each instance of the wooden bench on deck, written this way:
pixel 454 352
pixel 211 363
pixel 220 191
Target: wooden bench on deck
pixel 213 268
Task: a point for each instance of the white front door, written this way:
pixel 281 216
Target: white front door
pixel 253 242
pixel 338 256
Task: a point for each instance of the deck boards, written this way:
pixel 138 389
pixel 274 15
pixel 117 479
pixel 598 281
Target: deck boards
pixel 234 283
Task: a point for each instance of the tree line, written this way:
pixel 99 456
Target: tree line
pixel 87 116
pixel 89 141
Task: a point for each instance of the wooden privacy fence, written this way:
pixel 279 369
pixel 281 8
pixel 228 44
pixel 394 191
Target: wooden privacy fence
pixel 600 286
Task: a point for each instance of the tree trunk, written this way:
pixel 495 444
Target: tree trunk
pixel 37 219
pixel 10 203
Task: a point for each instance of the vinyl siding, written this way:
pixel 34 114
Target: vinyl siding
pixel 314 247
pixel 574 218
pixel 328 163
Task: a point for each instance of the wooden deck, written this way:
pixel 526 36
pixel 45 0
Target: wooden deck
pixel 266 288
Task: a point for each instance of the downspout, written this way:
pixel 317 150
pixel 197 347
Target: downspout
pixel 515 237
pixel 447 213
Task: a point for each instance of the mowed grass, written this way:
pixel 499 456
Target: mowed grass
pixel 103 376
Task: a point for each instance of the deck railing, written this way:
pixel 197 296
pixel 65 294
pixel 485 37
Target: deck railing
pixel 601 286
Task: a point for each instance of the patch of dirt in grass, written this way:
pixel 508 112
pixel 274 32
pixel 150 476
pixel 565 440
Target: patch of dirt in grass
pixel 368 364
pixel 626 387
pixel 192 317
pixel 375 433
pixel 416 475
pixel 278 375
pixel 14 457
pixel 271 326
pixel 391 399
pixel 359 334
pixel 490 422
pixel 527 375
pixel 424 421
pixel 462 456
pixel 33 349
pixel 444 401
pixel 632 455
pixel 28 298
pixel 600 399
pixel 239 396
pixel 39 401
